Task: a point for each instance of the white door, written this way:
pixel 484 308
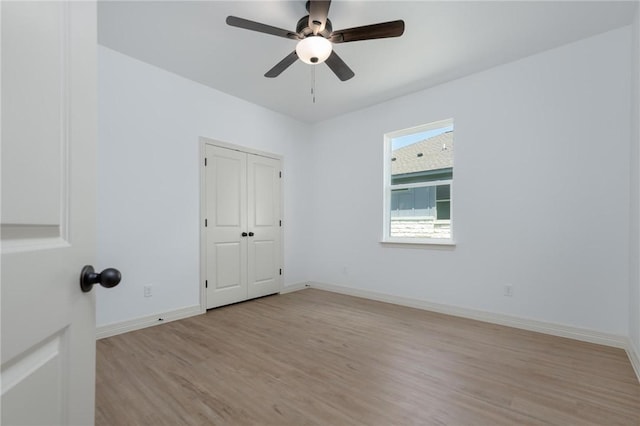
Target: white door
pixel 226 201
pixel 48 211
pixel 264 225
pixel 242 226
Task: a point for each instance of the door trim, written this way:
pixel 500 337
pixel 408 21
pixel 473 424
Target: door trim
pixel 204 141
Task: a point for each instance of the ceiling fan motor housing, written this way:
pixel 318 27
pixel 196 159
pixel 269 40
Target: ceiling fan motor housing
pixel 302 28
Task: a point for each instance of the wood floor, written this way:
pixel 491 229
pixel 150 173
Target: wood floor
pixel 319 358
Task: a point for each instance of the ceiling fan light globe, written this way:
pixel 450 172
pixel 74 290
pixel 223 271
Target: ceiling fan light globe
pixel 314 50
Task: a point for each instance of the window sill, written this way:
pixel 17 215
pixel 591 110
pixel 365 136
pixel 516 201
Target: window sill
pixel 418 242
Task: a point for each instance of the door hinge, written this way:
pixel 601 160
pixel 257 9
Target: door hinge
pixel 280 271
pixel 280 174
pixel 206 284
pixel 205 223
pixel 205 162
pixel 280 223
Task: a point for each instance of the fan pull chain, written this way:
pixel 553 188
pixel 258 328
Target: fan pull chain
pixel 313 83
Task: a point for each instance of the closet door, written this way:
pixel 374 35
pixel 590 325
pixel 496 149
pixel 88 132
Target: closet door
pixel 226 206
pixel 263 185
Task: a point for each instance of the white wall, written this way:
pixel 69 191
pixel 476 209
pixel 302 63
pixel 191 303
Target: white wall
pixel 148 181
pixel 541 191
pixel 634 252
pixel 542 184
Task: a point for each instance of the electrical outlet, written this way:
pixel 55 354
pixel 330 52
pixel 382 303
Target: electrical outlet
pixel 147 291
pixel 508 290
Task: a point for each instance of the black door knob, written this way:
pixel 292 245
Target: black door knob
pixel 251 234
pixel 244 234
pixel 108 278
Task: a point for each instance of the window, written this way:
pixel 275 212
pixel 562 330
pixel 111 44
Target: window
pixel 418 184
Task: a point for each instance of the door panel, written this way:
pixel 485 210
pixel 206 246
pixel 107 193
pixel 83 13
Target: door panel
pixel 227 261
pixel 264 222
pixel 48 211
pixel 25 401
pixel 226 207
pixel 38 43
pixel 228 195
pixel 264 254
pixel 265 212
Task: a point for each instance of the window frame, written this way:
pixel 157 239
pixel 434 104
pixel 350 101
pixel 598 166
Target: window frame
pixel 388 187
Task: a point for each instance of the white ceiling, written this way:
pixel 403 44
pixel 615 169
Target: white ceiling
pixel 443 40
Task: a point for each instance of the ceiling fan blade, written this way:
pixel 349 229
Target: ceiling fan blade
pixel 282 65
pixel 369 32
pixel 338 67
pixel 246 24
pixel 318 12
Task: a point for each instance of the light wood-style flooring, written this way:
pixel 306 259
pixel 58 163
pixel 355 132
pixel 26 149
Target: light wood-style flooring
pixel 318 358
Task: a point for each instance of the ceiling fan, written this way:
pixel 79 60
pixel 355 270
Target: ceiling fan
pixel 316 38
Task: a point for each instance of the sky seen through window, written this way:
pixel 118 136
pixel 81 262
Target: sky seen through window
pixel 403 141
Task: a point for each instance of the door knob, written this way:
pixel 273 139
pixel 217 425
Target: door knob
pixel 244 234
pixel 108 278
pixel 251 234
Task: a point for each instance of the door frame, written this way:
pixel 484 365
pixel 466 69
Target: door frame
pixel 204 141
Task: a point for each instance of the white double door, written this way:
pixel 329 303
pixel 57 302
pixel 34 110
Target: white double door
pixel 243 225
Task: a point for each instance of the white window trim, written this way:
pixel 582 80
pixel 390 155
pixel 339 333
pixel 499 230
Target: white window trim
pixel 386 238
pixel 396 241
pixel 422 184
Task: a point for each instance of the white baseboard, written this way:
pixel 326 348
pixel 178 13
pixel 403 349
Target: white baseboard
pixel 294 287
pixel 634 357
pixel 161 318
pixel 147 321
pixel 560 330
